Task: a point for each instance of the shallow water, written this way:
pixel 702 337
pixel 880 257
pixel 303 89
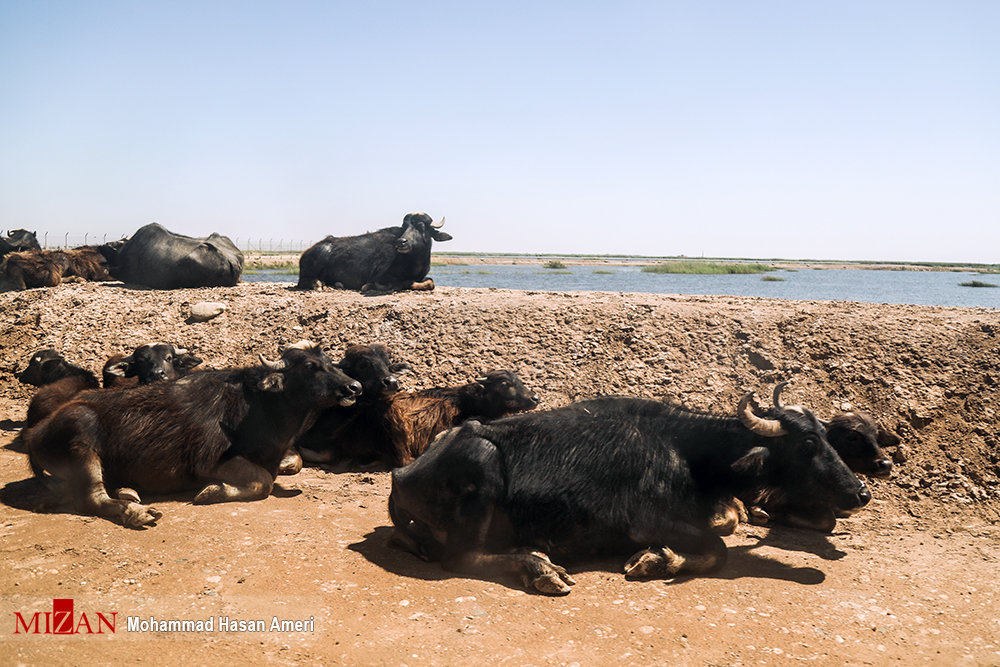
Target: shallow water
pixel 928 288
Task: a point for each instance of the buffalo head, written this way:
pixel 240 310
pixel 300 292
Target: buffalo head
pixel 798 466
pixel 417 231
pixel 152 362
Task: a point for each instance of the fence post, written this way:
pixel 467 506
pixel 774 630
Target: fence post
pixel 66 240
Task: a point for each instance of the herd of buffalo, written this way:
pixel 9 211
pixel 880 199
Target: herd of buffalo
pixel 389 259
pixel 481 482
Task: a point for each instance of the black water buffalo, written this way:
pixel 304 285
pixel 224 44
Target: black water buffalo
pixel 341 435
pixel 161 259
pixel 614 476
pixel 152 362
pixel 47 366
pixel 18 240
pixel 223 432
pixel 394 258
pixel 58 381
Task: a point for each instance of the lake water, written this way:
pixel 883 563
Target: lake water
pixel 930 288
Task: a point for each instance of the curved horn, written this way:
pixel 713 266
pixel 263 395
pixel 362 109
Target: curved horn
pixel 776 397
pixel 768 428
pixel 439 224
pixel 279 365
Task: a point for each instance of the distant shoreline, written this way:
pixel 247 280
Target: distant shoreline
pixel 257 259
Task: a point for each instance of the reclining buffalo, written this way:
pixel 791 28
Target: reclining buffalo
pixel 609 476
pixel 59 381
pixel 161 259
pixel 390 259
pixel 392 429
pixel 222 433
pixel 48 268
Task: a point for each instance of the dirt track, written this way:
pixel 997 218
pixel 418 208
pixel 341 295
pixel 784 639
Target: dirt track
pixel 910 580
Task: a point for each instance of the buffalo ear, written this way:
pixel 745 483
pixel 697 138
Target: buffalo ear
pixel 752 462
pixel 272 382
pixel 887 438
pixel 400 367
pixel 438 235
pixel 186 361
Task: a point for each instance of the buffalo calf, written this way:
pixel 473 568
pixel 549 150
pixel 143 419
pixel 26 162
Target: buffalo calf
pixel 148 363
pixel 414 419
pixel 58 381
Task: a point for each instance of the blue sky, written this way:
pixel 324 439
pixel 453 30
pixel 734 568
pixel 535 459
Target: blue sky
pixel 832 130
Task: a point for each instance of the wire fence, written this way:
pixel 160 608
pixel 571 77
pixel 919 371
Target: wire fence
pixel 53 241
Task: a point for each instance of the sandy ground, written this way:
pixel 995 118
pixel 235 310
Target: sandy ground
pixel 910 580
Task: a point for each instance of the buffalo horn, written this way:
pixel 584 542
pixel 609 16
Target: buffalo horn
pixel 777 395
pixel 279 365
pixel 769 428
pixel 439 224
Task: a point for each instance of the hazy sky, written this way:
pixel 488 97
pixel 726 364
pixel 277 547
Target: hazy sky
pixel 860 129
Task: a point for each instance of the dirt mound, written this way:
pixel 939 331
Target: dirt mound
pixel 929 374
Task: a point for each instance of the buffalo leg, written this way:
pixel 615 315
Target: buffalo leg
pixel 68 452
pixel 533 568
pixel 728 514
pixel 681 547
pixel 464 553
pixel 87 488
pixel 236 479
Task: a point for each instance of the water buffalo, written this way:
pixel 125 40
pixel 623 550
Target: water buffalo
pixel 343 434
pixel 48 268
pixel 222 432
pixel 152 362
pixel 17 240
pixel 609 476
pixel 394 258
pixel 58 381
pixel 414 419
pixel 158 258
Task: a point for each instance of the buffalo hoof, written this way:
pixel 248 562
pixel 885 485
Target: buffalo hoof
pixel 291 464
pixel 545 576
pixel 726 518
pixel 424 286
pixel 127 494
pixel 653 564
pixel 213 493
pixel 139 516
pixel 758 516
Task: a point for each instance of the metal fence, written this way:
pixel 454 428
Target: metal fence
pixel 52 241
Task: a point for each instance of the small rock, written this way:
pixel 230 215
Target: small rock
pixel 206 310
